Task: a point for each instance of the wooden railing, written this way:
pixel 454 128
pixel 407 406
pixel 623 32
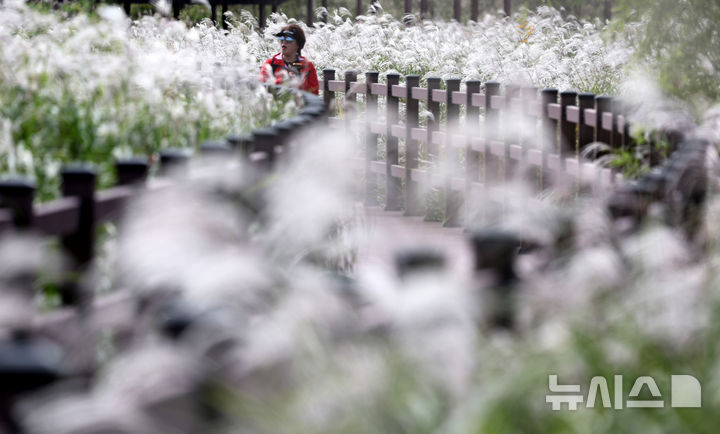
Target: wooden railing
pixel 558 128
pixel 565 123
pixel 492 147
pixel 27 359
pixel 75 216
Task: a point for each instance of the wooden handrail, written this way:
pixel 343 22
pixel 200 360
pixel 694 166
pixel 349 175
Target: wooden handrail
pixel 566 124
pixel 75 216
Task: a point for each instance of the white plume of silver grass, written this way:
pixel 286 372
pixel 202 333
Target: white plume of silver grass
pixel 128 395
pixel 113 14
pixel 307 309
pixel 190 241
pixel 435 322
pixel 7 145
pixel 547 52
pixel 67 413
pixel 16 313
pixel 592 225
pixel 670 306
pixel 405 347
pixel 310 309
pixel 572 290
pixel 150 373
pixel 22 256
pixel 712 231
pixel 710 126
pixel 649 257
pixel 356 378
pixel 112 75
pixel 312 193
pixel 193 242
pixel 648 108
pixel 23 260
pixel 656 286
pixel 162 6
pixel 531 215
pixel 236 276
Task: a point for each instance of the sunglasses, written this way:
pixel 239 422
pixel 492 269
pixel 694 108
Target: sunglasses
pixel 286 38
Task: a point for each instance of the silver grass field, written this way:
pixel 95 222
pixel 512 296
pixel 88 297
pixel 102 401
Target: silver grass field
pixel 294 327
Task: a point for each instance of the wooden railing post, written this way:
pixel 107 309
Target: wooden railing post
pixel 131 171
pixel 433 124
pixel 222 149
pixel 350 111
pixel 371 139
pixel 360 8
pixel 617 133
pixel 474 10
pixel 412 189
pixel 628 139
pixel 284 132
pixel 213 12
pixel 424 12
pixel 79 182
pixel 408 7
pixel 603 104
pixel 548 125
pixel 457 10
pixel 419 259
pixel 350 98
pixel 393 185
pixel 492 119
pixel 495 253
pixel 261 16
pixel 328 96
pixel 548 129
pixel 241 144
pixel 607 10
pixel 265 140
pixel 511 132
pixel 529 139
pixel 568 130
pixel 18 195
pixel 224 10
pixel 585 133
pixel 324 16
pixel 310 12
pixel 453 199
pixel 175 161
pixel 507 4
pixel 472 157
pixel 177 5
pixel 548 132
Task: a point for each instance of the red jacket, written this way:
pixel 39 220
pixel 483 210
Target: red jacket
pixel 302 68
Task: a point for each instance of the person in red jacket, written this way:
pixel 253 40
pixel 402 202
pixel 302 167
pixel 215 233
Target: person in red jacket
pixel 289 66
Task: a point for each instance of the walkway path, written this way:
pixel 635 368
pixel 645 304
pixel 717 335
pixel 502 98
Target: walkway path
pixel 389 232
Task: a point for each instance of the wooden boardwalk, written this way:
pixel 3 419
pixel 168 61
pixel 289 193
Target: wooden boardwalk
pixel 389 232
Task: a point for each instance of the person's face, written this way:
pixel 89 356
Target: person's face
pixel 289 46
